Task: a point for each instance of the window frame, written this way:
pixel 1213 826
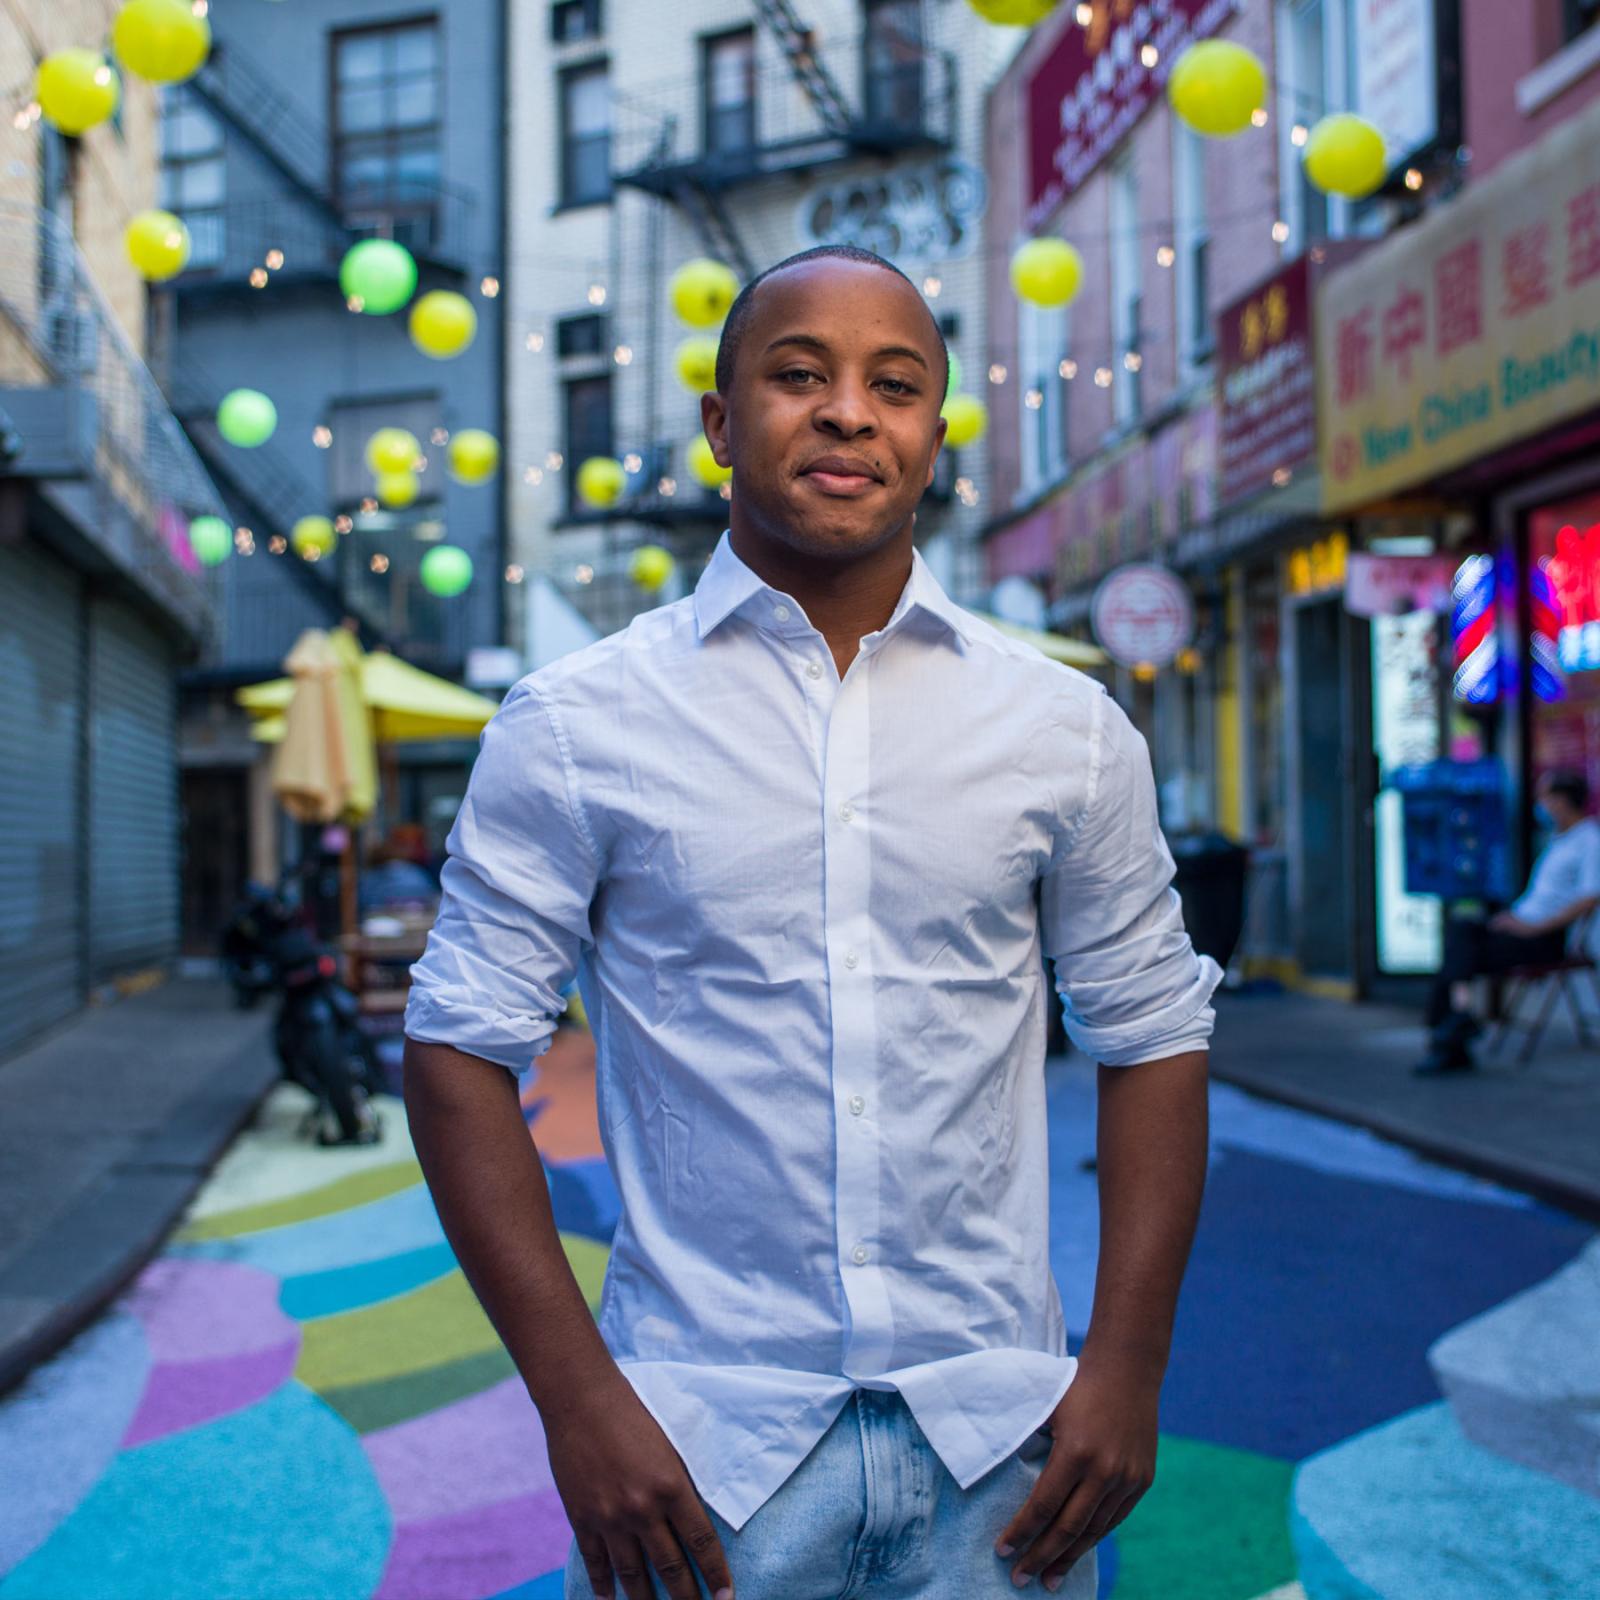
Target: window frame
pixel 593 21
pixel 174 99
pixel 1191 286
pixel 1044 338
pixel 572 455
pixel 709 44
pixel 598 66
pixel 1300 205
pixel 1127 291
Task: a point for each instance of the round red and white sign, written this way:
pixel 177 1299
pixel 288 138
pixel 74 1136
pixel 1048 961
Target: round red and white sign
pixel 1142 615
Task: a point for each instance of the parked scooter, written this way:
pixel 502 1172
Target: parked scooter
pixel 267 948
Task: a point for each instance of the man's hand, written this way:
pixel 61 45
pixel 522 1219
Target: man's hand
pixel 1506 922
pixel 1102 1461
pixel 630 1500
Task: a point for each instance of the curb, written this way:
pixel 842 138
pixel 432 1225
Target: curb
pixel 93 1251
pixel 1579 1199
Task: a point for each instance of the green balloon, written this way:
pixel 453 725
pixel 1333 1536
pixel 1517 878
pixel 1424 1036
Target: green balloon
pixel 955 375
pixel 446 570
pixel 381 272
pixel 211 539
pixel 246 418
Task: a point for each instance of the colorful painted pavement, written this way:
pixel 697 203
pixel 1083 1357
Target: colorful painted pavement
pixel 1377 1391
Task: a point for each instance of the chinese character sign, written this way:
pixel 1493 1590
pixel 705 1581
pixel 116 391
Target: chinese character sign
pixel 1093 86
pixel 1475 328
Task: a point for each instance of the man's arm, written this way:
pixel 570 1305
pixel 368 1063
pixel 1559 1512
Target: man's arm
pixel 627 1493
pixel 1151 1165
pixel 1509 922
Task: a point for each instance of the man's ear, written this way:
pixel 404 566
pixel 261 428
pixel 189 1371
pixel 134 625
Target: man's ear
pixel 714 419
pixel 938 445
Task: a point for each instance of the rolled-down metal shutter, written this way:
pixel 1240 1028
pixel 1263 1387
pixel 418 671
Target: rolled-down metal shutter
pixel 42 666
pixel 133 793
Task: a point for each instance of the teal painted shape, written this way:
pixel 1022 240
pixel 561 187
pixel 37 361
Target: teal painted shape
pixel 276 1499
pixel 1414 1508
pixel 325 1294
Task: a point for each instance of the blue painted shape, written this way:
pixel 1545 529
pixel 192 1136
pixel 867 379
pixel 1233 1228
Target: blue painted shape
pixel 61 1429
pixel 387 1227
pixel 584 1199
pixel 276 1499
pixel 552 1586
pixel 1415 1508
pixel 1311 1300
pixel 325 1294
pixel 1108 1562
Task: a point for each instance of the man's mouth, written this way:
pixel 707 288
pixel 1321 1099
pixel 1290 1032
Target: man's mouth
pixel 841 475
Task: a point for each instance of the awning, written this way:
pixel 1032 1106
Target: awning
pixel 1072 652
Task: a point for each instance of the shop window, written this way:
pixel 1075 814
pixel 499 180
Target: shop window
pixel 585 136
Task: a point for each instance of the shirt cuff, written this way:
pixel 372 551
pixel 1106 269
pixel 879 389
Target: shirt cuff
pixel 478 1027
pixel 1184 1023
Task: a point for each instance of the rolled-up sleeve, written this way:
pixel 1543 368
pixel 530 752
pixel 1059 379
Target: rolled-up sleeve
pixel 518 884
pixel 1132 987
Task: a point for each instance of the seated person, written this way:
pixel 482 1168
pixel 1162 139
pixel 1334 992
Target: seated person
pixel 392 880
pixel 1564 884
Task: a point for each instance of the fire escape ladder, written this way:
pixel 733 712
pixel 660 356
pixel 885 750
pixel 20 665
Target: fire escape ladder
pixel 826 98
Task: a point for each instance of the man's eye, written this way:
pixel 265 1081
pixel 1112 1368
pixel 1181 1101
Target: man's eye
pixel 901 385
pixel 797 372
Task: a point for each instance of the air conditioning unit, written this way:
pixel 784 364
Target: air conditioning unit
pixel 72 337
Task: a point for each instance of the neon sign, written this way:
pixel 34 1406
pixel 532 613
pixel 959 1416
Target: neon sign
pixel 1573 579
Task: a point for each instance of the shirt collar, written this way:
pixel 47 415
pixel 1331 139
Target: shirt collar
pixel 728 583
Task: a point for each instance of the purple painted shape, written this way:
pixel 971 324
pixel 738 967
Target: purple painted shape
pixel 477 1552
pixel 180 1394
pixel 194 1309
pixel 473 1453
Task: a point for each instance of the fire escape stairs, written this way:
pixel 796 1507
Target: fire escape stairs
pixel 832 109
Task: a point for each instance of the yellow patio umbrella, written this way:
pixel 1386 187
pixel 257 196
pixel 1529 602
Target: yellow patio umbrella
pixel 1072 652
pixel 405 703
pixel 324 769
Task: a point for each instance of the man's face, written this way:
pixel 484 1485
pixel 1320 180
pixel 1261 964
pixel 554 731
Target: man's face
pixel 839 359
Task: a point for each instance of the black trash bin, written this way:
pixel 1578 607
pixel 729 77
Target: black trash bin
pixel 1210 882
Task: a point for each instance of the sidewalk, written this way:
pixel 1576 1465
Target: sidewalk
pixel 1535 1128
pixel 108 1125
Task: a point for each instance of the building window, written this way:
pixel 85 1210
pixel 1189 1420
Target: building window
pixel 585 136
pixel 1192 250
pixel 1126 295
pixel 894 58
pixel 587 403
pixel 581 336
pixel 353 422
pixel 193 171
pixel 1580 16
pixel 728 92
pixel 1314 69
pixel 386 129
pixel 572 21
pixel 1042 394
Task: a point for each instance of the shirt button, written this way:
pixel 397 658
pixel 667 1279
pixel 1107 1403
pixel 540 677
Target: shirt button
pixel 859 1254
pixel 857 1105
pixel 781 613
pixel 814 670
pixel 846 811
pixel 851 959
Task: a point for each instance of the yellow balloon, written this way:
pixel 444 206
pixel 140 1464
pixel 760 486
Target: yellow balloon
pixel 398 489
pixel 312 538
pixel 1215 87
pixel 702 290
pixel 1013 13
pixel 76 89
pixel 392 450
pixel 1047 271
pixel 442 324
pixel 474 455
pixel 1345 155
pixel 601 480
pixel 696 363
pixel 162 40
pixel 158 244
pixel 966 417
pixel 703 466
pixel 651 567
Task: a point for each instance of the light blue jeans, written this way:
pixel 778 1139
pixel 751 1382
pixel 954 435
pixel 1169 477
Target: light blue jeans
pixel 873 1514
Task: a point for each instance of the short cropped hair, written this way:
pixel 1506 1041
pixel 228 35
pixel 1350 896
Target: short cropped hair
pixel 742 309
pixel 1573 787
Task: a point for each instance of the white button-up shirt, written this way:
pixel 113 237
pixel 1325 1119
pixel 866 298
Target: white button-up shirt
pixel 808 918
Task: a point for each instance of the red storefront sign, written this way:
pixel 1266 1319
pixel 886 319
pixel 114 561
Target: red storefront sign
pixel 1093 86
pixel 1266 385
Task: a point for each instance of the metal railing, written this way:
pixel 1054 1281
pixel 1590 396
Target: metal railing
pixel 900 96
pixel 58 331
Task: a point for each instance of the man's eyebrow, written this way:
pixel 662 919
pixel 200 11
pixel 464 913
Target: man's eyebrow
pixel 812 342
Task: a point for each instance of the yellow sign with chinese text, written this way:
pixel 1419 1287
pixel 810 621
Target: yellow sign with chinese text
pixel 1471 330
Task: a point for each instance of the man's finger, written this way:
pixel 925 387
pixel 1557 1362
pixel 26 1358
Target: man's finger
pixel 699 1537
pixel 1104 1522
pixel 672 1565
pixel 1048 1495
pixel 597 1563
pixel 1065 1529
pixel 633 1572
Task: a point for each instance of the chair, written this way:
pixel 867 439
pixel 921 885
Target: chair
pixel 1558 978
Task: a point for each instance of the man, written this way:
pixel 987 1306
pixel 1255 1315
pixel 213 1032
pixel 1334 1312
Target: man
pixel 1564 885
pixel 802 836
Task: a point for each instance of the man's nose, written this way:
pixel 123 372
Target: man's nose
pixel 847 409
